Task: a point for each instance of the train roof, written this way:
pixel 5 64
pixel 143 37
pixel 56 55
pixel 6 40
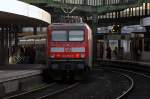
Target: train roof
pixel 68 25
pixel 74 24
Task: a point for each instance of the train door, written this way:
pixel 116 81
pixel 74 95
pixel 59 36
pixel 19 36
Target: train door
pixel 136 45
pixel 100 49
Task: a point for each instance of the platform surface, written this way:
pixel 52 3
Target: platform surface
pixel 17 74
pixel 142 62
pixel 22 67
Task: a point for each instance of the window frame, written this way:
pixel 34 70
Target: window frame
pixel 68 35
pixel 57 40
pixel 76 40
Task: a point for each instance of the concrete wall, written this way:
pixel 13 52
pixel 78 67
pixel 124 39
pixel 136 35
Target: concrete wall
pixel 20 85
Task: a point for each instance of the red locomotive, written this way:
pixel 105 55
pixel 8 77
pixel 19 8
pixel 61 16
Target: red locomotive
pixel 69 48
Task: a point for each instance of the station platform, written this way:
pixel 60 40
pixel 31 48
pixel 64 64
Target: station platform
pixel 143 66
pixel 22 67
pixel 142 62
pixel 13 81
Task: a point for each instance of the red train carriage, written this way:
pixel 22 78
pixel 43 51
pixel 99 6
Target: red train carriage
pixel 69 48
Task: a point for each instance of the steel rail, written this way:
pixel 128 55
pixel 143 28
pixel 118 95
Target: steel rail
pixel 59 91
pixel 129 71
pixel 31 91
pixel 127 76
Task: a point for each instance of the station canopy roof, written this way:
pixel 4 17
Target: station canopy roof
pixel 18 12
pixel 92 6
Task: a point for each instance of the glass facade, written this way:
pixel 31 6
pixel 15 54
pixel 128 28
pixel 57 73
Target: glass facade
pixel 143 10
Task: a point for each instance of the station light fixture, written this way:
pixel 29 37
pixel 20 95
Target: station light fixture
pixel 116 28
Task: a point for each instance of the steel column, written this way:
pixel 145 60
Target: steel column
pixel 34 30
pixel 94 29
pixel 2 46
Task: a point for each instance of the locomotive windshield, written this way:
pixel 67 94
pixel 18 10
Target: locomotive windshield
pixel 59 36
pixel 76 35
pixel 72 35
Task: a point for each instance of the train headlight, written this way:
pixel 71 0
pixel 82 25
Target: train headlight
pixel 77 55
pixel 52 56
pixel 82 55
pixel 58 56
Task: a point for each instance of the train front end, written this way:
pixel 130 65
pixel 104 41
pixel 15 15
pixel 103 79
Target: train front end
pixel 68 47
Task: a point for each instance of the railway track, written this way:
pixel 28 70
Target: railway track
pixel 44 92
pixel 133 86
pixel 125 75
pixel 141 86
pixel 101 85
